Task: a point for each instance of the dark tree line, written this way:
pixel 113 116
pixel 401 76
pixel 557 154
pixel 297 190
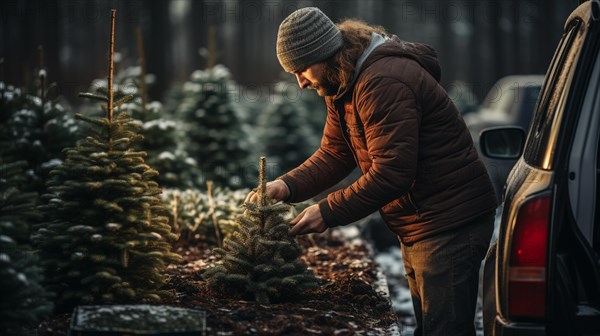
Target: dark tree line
pixel 478 41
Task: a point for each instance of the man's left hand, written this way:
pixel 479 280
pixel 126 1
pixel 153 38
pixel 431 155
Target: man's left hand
pixel 308 221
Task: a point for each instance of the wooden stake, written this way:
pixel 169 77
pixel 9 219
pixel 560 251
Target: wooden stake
pixel 212 47
pixel 40 73
pixel 142 59
pixel 176 197
pixel 111 61
pixel 262 180
pixel 211 211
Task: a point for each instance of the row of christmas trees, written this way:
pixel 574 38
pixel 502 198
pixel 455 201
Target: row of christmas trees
pixel 83 218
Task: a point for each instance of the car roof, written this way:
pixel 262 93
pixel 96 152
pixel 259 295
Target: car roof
pixel 521 79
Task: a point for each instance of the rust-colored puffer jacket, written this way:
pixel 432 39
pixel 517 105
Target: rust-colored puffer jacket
pixel 417 158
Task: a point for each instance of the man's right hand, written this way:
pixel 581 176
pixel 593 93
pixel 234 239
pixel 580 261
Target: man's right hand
pixel 277 190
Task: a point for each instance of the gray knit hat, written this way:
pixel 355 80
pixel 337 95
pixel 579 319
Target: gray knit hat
pixel 305 37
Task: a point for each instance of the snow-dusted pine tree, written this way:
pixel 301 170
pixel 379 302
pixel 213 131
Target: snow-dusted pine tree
pixel 261 261
pixel 24 301
pixel 34 128
pixel 214 134
pixel 284 130
pixel 107 237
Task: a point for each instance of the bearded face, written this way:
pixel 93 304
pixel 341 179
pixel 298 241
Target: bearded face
pixel 316 77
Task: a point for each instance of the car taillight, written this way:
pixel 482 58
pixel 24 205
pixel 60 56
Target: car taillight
pixel 527 265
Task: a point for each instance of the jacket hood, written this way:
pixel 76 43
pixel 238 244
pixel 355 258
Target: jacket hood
pixel 393 46
pixel 421 53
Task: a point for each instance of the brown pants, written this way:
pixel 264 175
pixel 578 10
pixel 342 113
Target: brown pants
pixel 443 276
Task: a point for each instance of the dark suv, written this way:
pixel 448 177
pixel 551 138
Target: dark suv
pixel 542 277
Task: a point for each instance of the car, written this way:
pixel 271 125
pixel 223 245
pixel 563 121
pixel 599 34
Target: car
pixel 510 101
pixel 542 274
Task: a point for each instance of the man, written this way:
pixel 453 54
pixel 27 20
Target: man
pixel 388 114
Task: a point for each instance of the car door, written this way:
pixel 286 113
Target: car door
pixel 574 247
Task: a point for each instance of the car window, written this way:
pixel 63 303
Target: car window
pixel 541 140
pixel 530 97
pixel 504 99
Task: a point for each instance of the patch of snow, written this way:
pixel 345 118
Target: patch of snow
pixel 113 226
pixel 147 318
pixel 192 87
pixel 154 106
pixel 166 156
pixel 53 163
pixel 6 239
pixel 162 124
pixel 36 100
pixel 98 155
pixel 23 278
pixel 81 229
pixel 4 257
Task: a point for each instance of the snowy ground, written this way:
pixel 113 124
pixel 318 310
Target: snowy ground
pixel 391 262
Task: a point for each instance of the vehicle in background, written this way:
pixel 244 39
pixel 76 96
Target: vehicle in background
pixel 510 101
pixel 542 276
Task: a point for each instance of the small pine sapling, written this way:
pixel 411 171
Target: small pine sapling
pixel 261 261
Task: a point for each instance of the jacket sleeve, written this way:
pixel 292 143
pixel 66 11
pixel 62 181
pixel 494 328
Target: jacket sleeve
pixel 327 166
pixel 389 112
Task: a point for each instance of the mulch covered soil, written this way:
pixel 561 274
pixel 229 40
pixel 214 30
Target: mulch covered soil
pixel 347 304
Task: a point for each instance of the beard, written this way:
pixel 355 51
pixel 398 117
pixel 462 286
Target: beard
pixel 329 83
pixel 325 88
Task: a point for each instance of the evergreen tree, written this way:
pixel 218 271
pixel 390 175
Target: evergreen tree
pixel 35 129
pixel 162 137
pixel 24 301
pixel 214 134
pixel 107 238
pixel 287 137
pixel 261 261
pixel 162 134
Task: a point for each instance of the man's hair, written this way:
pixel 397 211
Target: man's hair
pixel 356 34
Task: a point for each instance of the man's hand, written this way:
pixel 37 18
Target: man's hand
pixel 308 221
pixel 277 190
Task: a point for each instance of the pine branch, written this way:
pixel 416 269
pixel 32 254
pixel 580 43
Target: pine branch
pixel 92 96
pixel 122 101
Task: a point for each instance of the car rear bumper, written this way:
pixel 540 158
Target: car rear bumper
pixel 506 328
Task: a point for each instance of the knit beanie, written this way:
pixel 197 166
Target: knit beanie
pixel 305 37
